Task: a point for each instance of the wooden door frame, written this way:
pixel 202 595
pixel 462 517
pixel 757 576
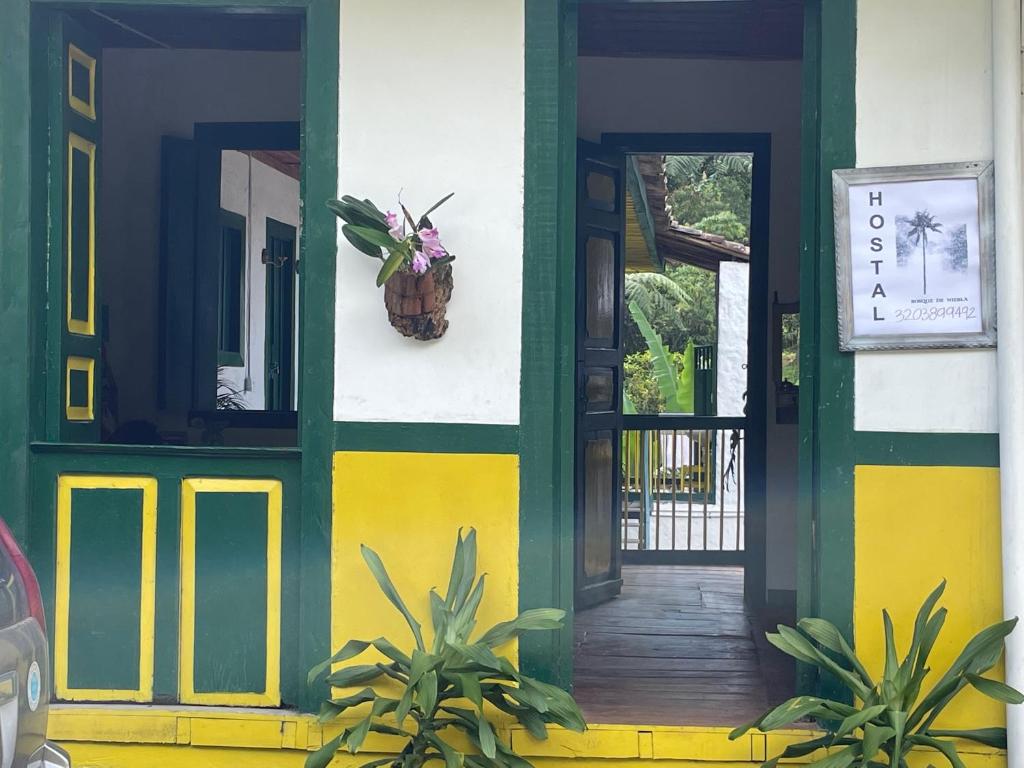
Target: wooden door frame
pixel 825 557
pixel 23 212
pixel 759 146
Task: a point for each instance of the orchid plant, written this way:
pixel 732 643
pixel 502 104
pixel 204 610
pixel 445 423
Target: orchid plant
pixel 400 242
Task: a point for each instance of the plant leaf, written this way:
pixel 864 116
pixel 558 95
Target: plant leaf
pixel 947 748
pixel 354 675
pixel 470 685
pixel 351 649
pixel 323 756
pixel 360 243
pixel 486 734
pixel 376 566
pixel 996 690
pixel 358 735
pixel 530 620
pixel 828 635
pixel 858 720
pixel 437 205
pixel 333 707
pixel 382 239
pixel 874 737
pixel 452 758
pixel 990 737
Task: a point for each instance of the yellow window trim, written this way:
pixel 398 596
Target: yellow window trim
pixel 77 56
pixel 190 487
pixel 86 327
pixel 79 412
pixel 65 485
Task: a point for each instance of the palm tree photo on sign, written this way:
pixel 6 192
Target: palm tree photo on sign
pixel 923 223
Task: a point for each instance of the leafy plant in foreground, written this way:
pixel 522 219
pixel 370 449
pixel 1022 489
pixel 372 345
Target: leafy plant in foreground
pixel 891 716
pixel 443 688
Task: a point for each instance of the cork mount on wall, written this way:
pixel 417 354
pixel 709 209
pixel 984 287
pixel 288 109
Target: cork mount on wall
pixel 416 269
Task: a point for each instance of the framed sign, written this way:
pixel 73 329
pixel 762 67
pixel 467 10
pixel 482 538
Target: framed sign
pixel 915 256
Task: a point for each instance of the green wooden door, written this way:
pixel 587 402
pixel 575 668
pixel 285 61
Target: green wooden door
pixel 74 361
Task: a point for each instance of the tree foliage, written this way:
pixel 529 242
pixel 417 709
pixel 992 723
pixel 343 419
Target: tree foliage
pixel 705 189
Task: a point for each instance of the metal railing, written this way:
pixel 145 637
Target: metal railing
pixel 682 484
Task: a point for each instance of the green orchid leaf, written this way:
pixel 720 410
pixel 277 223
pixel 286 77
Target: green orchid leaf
pixel 393 264
pixel 360 243
pixel 438 204
pixel 381 239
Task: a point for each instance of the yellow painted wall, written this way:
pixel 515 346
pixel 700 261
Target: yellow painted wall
pixel 915 526
pixel 409 507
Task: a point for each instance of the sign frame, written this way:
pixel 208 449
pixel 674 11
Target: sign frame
pixel 842 181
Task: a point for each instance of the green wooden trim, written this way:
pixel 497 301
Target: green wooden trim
pixel 231 352
pixel 425 438
pixel 920 449
pixel 183 451
pixel 638 191
pixel 547 397
pixel 827 452
pixel 318 253
pixel 23 232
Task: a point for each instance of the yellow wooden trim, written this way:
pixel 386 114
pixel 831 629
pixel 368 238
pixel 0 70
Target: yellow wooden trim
pixel 271 696
pixel 223 727
pixel 79 412
pixel 85 327
pixel 147 613
pixel 84 108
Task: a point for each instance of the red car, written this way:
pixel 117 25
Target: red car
pixel 24 665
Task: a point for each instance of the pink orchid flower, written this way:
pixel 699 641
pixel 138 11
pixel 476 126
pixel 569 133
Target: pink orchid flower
pixel 396 228
pixel 431 243
pixel 420 263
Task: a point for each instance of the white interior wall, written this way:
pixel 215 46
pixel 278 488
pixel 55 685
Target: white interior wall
pixel 146 94
pixel 425 120
pixel 683 95
pixel 273 195
pixel 924 98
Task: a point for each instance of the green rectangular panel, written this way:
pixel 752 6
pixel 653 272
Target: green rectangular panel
pixel 80 81
pixel 106 588
pixel 81 224
pixel 78 388
pixel 231 593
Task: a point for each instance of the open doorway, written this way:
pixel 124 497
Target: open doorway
pixel 686 442
pixel 183 236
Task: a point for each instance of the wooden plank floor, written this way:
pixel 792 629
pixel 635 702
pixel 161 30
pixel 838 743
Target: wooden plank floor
pixel 675 648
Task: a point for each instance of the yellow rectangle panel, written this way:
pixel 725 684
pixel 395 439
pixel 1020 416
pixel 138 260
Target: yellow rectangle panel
pixel 914 527
pixel 84 326
pixel 409 507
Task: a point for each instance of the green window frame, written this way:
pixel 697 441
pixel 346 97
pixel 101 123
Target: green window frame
pixel 231 326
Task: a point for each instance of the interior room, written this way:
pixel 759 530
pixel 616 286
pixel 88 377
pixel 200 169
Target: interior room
pixel 706 521
pixel 198 168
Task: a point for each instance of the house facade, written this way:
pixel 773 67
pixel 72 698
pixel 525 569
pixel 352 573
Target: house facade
pixel 190 584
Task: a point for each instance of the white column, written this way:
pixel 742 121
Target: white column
pixel 1009 201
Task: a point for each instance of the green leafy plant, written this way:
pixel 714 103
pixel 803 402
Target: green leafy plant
pixel 675 387
pixel 444 687
pixel 410 244
pixel 892 715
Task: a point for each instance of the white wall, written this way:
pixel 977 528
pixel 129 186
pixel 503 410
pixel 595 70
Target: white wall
pixel 424 119
pixel 681 95
pixel 147 94
pixel 274 195
pixel 731 358
pixel 924 98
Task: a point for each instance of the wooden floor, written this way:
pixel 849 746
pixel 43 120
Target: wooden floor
pixel 675 648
